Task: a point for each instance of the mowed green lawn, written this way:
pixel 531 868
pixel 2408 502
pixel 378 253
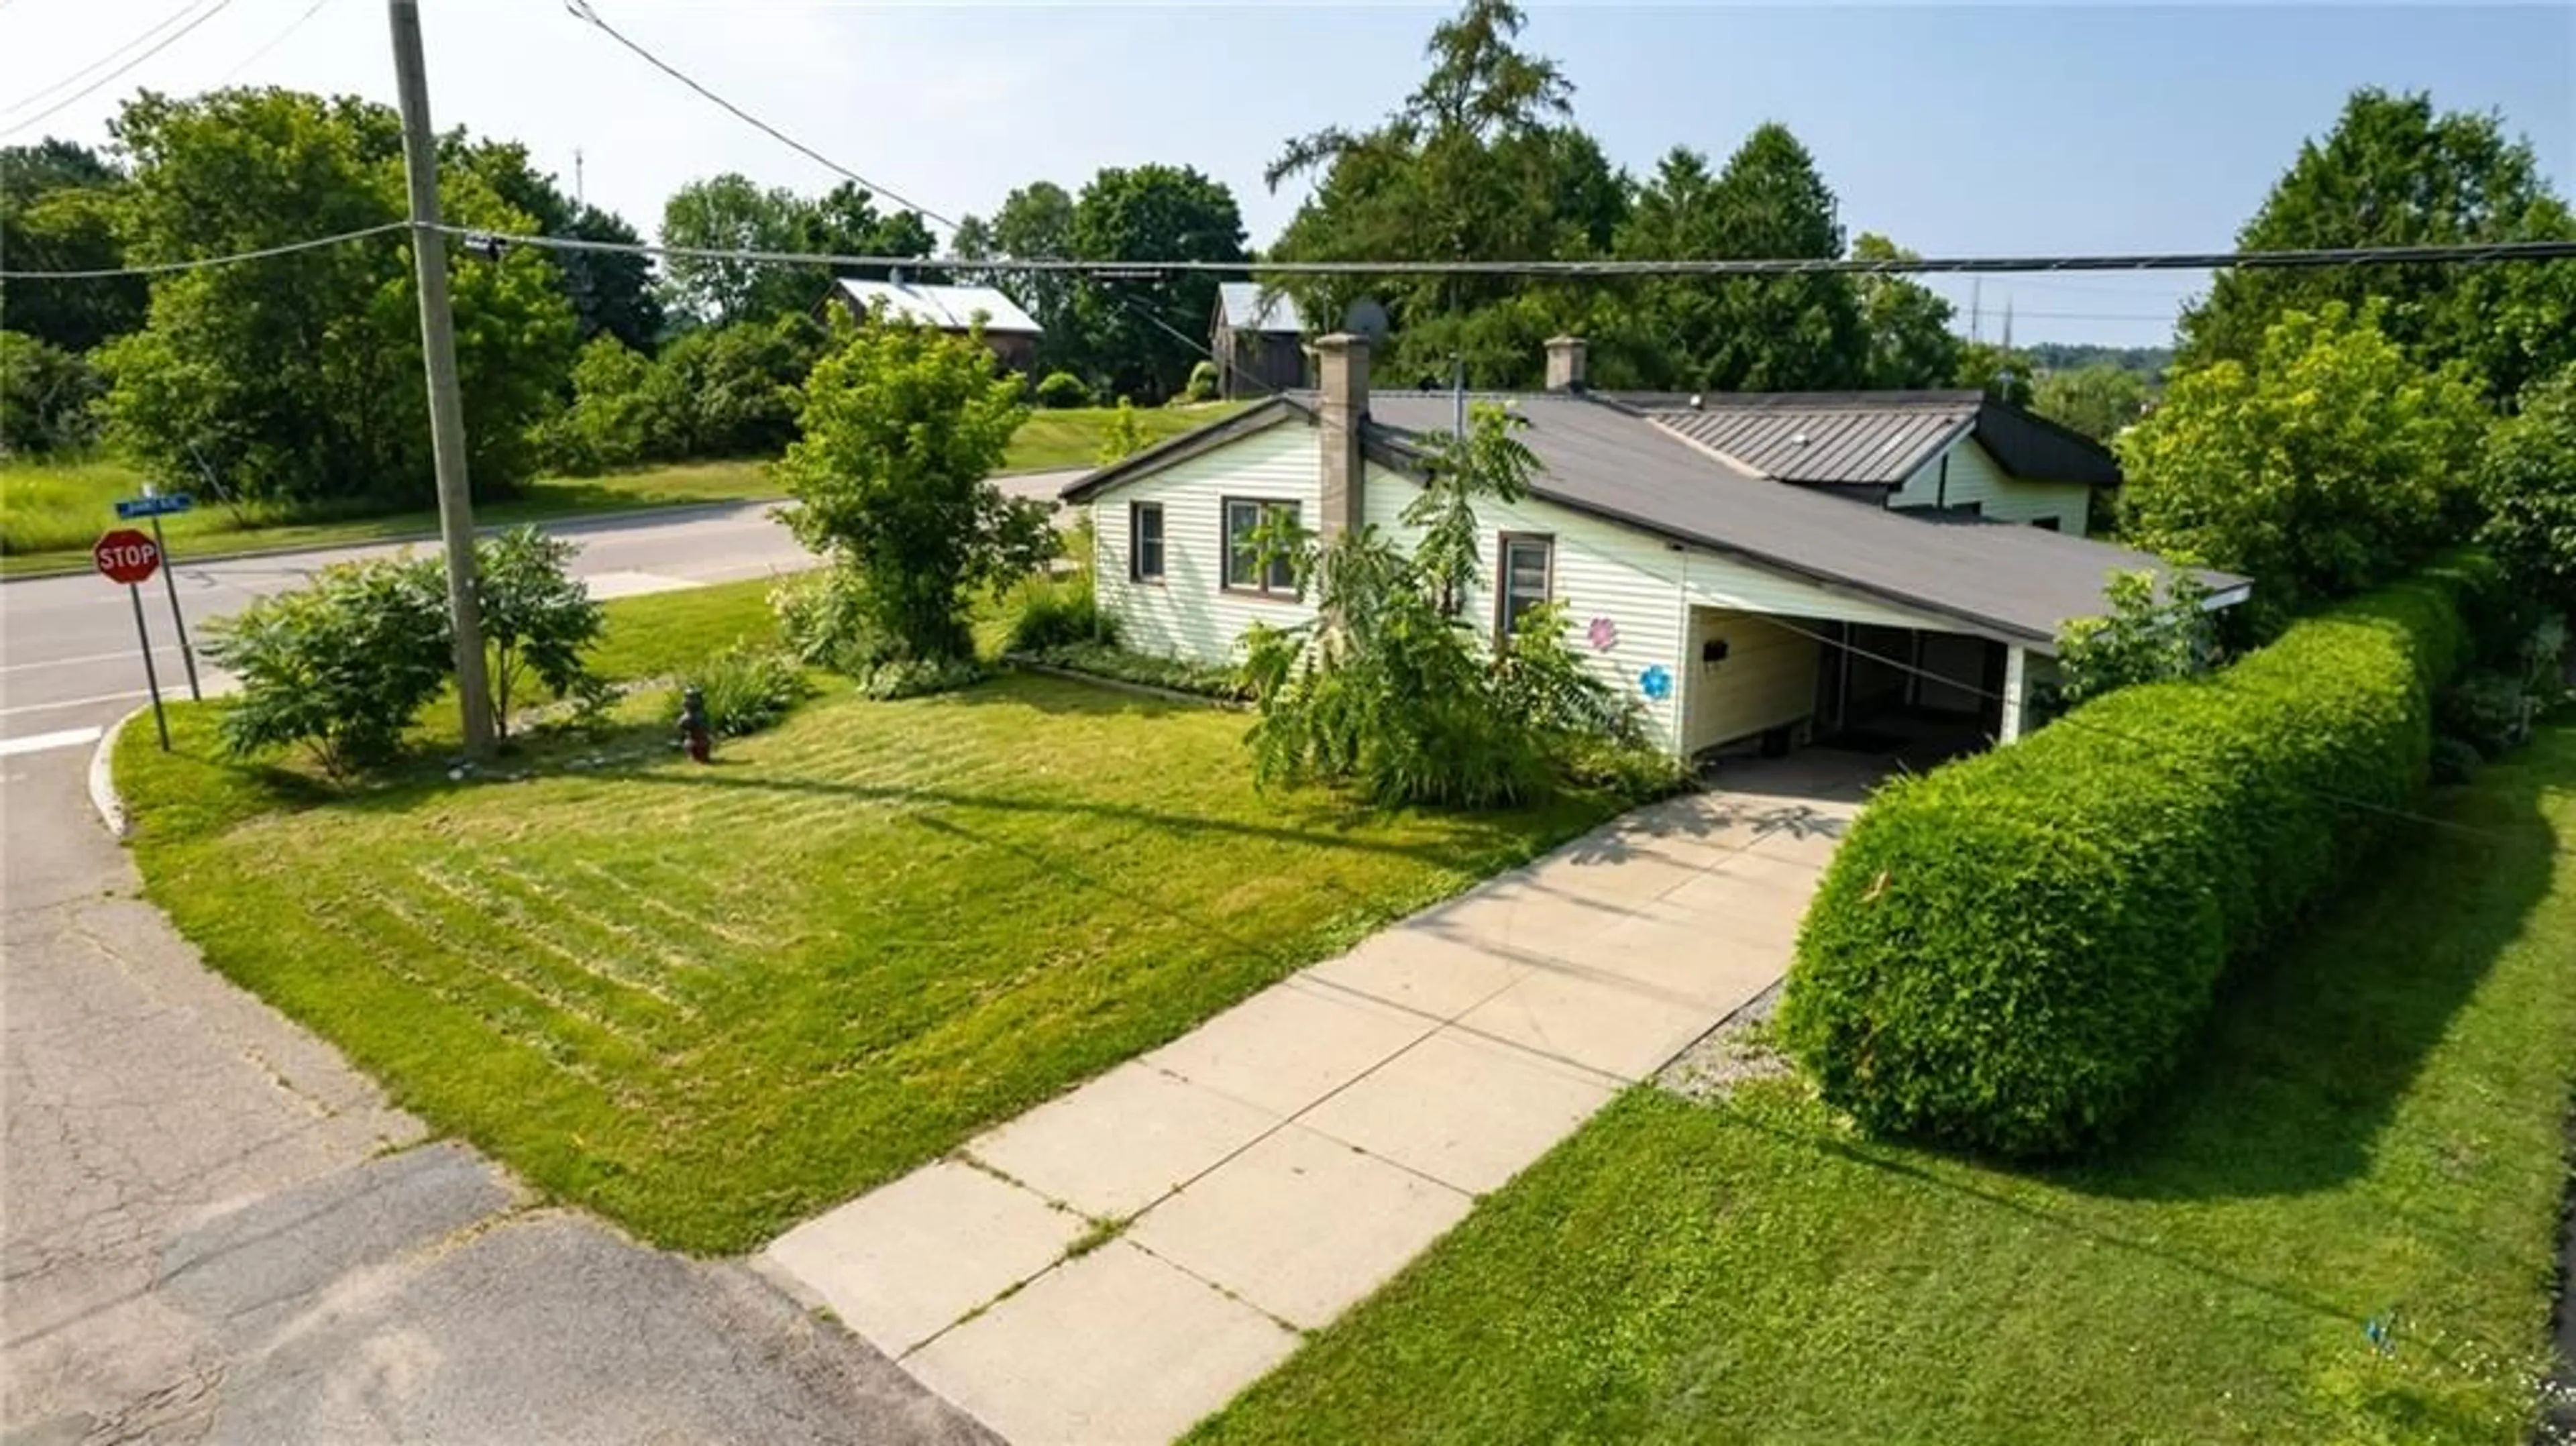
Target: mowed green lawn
pixel 2375 1128
pixel 711 1001
pixel 50 512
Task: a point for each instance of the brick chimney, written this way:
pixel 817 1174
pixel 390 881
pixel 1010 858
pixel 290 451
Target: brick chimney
pixel 1565 363
pixel 1342 368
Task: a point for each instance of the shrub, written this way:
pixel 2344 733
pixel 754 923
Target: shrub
pixel 915 677
pixel 1177 675
pixel 2144 638
pixel 823 615
pixel 1048 612
pixel 48 397
pixel 610 423
pixel 2010 952
pixel 537 618
pixel 1063 390
pixel 2527 481
pixel 746 688
pixel 340 666
pixel 1203 382
pixel 1123 438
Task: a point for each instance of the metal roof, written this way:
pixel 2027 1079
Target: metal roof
pixel 948 308
pixel 2015 583
pixel 1877 438
pixel 1240 304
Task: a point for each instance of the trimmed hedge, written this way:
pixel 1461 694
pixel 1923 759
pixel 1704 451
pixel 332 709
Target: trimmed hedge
pixel 2010 952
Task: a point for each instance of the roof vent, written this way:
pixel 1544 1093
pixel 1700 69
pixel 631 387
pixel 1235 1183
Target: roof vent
pixel 1694 401
pixel 1800 438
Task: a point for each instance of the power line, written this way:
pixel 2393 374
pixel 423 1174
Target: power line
pixel 274 41
pixel 583 11
pixel 110 58
pixel 159 268
pixel 85 91
pixel 2477 253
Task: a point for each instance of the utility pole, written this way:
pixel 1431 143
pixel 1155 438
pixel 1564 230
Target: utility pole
pixel 438 350
pixel 577 193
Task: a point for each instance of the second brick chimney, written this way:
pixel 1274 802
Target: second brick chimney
pixel 1565 363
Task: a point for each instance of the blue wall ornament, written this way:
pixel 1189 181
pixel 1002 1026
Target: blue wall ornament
pixel 1656 682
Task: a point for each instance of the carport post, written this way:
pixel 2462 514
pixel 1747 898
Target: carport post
pixel 2016 693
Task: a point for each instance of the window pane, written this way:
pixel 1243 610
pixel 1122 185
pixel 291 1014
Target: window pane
pixel 1524 584
pixel 1240 520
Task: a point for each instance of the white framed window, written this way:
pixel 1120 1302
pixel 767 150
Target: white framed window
pixel 1527 579
pixel 1245 571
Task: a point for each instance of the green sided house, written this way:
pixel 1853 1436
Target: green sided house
pixel 1752 569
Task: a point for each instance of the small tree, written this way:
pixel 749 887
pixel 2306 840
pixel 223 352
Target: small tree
pixel 1125 437
pixel 341 666
pixel 2150 635
pixel 1389 689
pixel 901 427
pixel 2527 480
pixel 537 618
pixel 2330 467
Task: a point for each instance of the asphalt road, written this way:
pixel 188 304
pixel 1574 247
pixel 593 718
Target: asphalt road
pixel 70 663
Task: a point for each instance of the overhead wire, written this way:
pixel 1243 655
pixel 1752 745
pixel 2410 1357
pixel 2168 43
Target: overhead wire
pixel 198 263
pixel 93 87
pixel 274 41
pixel 76 77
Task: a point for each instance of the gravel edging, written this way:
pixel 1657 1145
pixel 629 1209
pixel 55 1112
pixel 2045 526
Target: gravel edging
pixel 1738 1049
pixel 102 778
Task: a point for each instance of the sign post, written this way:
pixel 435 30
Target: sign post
pixel 153 504
pixel 129 557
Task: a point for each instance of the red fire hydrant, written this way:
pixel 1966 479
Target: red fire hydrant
pixel 695 735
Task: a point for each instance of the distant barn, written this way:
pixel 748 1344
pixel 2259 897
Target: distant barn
pixel 1010 332
pixel 1260 345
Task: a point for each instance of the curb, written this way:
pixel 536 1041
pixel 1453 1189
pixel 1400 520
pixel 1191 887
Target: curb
pixel 102 778
pixel 675 511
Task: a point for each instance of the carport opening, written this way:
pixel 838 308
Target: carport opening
pixel 1765 685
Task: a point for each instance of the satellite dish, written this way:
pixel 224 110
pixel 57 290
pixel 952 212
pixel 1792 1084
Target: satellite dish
pixel 1366 318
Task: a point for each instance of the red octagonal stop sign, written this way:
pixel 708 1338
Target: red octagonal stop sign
pixel 125 555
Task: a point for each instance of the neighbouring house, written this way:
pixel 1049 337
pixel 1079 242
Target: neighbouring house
pixel 1752 570
pixel 1259 342
pixel 1011 333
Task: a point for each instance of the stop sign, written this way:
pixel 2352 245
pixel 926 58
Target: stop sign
pixel 125 555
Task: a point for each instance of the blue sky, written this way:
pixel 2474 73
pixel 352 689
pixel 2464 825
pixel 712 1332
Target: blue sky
pixel 2007 129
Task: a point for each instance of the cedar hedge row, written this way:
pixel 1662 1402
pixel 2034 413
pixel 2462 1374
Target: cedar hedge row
pixel 2010 952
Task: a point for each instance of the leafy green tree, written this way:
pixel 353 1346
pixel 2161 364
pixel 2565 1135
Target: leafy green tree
pixel 2332 463
pixel 2394 171
pixel 58 212
pixel 846 222
pixel 972 239
pixel 1479 162
pixel 1124 438
pixel 341 666
pixel 2527 478
pixel 901 427
pixel 730 212
pixel 1911 345
pixel 610 291
pixel 2096 400
pixel 2151 634
pixel 730 391
pixel 1035 223
pixel 1999 372
pixel 1141 336
pixel 297 378
pixel 538 619
pixel 610 422
pixel 48 397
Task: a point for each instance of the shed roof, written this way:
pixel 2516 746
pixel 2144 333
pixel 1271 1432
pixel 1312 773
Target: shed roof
pixel 1240 305
pixel 948 308
pixel 1878 437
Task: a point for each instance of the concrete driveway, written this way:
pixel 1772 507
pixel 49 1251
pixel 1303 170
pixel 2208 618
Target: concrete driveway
pixel 1119 1262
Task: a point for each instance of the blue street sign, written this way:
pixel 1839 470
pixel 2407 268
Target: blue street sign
pixel 155 506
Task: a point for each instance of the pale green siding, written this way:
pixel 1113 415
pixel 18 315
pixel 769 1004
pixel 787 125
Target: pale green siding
pixel 1766 680
pixel 1188 614
pixel 1973 476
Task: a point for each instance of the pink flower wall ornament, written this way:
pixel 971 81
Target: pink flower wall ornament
pixel 1604 635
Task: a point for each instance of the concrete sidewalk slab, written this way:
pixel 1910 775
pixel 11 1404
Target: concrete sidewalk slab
pixel 1465 1111
pixel 1286 1158
pixel 1114 1347
pixel 1123 1141
pixel 1301 1225
pixel 887 1265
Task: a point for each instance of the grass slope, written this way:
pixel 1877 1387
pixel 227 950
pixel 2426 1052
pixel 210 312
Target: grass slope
pixel 711 1001
pixel 50 512
pixel 2373 1128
